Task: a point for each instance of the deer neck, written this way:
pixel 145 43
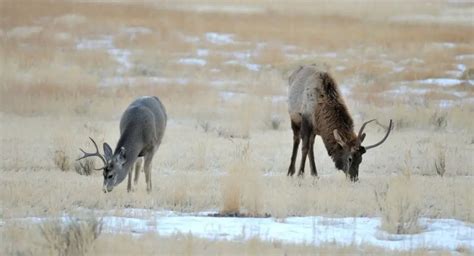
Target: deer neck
pixel 132 147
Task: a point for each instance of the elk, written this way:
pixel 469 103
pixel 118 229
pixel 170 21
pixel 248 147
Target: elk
pixel 142 127
pixel 316 107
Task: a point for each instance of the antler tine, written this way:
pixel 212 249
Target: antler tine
pixel 384 138
pixel 363 127
pixel 96 153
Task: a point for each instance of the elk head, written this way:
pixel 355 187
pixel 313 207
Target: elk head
pixel 349 155
pixel 113 165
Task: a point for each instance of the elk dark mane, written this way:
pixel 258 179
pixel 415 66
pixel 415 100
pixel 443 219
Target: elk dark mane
pixel 332 114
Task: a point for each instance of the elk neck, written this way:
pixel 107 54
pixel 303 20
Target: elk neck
pixel 333 114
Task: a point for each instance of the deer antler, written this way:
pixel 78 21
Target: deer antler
pixel 363 127
pixel 93 154
pixel 384 138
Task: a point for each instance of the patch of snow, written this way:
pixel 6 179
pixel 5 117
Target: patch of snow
pixel 249 66
pixel 153 80
pixel 403 89
pixel 329 55
pixel 189 39
pixel 233 9
pixel 440 81
pixel 134 31
pixel 70 20
pixel 102 42
pixel 219 38
pixel 445 234
pixel 465 57
pixel 202 52
pixel 192 61
pixel 23 32
pixel 445 45
pixel 398 69
pixel 252 66
pixel 228 95
pixel 122 57
pixel 340 68
pixel 222 83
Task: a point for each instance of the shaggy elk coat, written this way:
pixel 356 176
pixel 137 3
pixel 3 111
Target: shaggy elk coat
pixel 316 107
pixel 142 127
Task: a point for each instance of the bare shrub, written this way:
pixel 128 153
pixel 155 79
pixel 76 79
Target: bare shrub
pixel 439 120
pixel 398 204
pixel 275 122
pixel 440 163
pixel 85 166
pixel 62 160
pixel 241 187
pixel 71 237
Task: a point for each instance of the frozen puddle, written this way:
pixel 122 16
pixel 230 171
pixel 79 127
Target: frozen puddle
pixel 437 233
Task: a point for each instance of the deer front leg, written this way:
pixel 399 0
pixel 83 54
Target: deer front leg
pixel 148 160
pixel 138 169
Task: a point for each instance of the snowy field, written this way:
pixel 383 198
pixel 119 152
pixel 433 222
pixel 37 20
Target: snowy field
pixel 436 234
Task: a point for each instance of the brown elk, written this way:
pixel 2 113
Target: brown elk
pixel 316 107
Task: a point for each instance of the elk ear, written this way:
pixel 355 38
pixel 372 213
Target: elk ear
pixel 107 152
pixel 338 138
pixel 361 138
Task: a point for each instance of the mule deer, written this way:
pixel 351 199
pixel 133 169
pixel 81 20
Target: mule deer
pixel 142 127
pixel 316 107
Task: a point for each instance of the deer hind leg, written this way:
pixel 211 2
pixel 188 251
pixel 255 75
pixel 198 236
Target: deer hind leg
pixel 148 159
pixel 305 137
pixel 314 171
pixel 129 185
pixel 296 142
pixel 138 169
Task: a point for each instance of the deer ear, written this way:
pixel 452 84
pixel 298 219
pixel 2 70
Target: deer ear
pixel 107 152
pixel 338 138
pixel 122 154
pixel 361 138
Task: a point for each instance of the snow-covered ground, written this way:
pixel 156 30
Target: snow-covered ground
pixel 445 234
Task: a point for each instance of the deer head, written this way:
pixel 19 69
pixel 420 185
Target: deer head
pixel 113 165
pixel 349 155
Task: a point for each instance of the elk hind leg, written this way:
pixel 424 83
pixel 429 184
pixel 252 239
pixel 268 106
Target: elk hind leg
pixel 314 171
pixel 296 142
pixel 305 137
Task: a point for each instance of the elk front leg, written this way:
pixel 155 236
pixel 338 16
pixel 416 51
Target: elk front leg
pixel 148 159
pixel 314 172
pixel 305 137
pixel 296 143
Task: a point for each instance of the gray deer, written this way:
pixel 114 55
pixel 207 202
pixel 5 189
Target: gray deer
pixel 316 107
pixel 142 127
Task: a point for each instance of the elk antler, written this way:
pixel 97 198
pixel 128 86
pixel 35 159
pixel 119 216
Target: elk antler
pixel 93 154
pixel 384 138
pixel 363 127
